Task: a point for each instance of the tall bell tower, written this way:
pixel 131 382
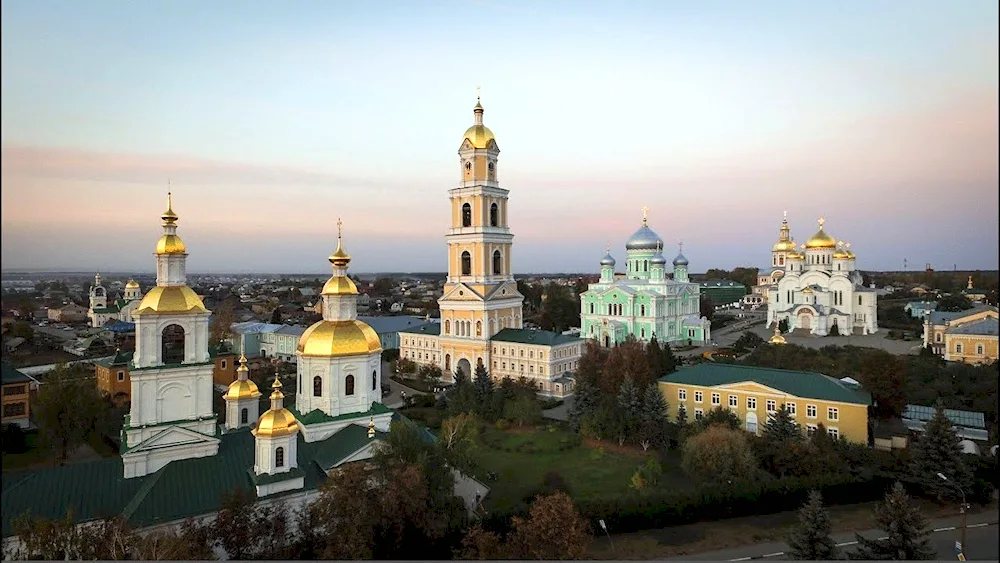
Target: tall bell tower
pixel 480 297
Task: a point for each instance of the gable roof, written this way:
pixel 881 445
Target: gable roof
pixel 11 375
pixel 537 337
pixel 939 317
pixel 803 384
pixel 988 326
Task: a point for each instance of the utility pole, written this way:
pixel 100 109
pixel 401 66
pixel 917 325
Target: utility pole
pixel 965 516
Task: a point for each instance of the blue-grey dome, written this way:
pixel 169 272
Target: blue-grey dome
pixel 658 259
pixel 608 260
pixel 680 260
pixel 644 239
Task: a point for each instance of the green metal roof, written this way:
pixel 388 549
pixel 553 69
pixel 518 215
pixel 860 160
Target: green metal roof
pixel 804 384
pixel 528 336
pixel 317 416
pixel 433 329
pixel 181 489
pixel 11 375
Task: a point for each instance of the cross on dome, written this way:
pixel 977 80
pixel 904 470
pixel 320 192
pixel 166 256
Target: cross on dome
pixel 821 222
pixel 479 92
pixel 340 228
pixel 607 248
pixel 680 246
pixel 645 213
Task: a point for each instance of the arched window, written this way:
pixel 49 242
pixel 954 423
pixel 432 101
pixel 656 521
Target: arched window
pixel 374 380
pixel 493 170
pixel 317 386
pixel 279 457
pixel 447 363
pixel 496 262
pixel 466 215
pixel 591 308
pixel 494 213
pixel 642 310
pixel 466 263
pixel 447 327
pixel 645 265
pixel 173 344
pixel 244 416
pixel 479 329
pixel 349 385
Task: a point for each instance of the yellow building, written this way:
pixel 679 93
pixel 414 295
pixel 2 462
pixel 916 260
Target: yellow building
pixel 965 336
pixel 481 308
pixel 755 393
pixel 16 397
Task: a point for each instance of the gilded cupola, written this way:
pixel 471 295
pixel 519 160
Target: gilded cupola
pixel 785 242
pixel 340 283
pixel 277 421
pixel 479 135
pixel 243 387
pixel 821 239
pixel 170 243
pixel 841 253
pixel 777 338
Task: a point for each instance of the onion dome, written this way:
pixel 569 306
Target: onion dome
pixel 785 242
pixel 340 283
pixel 479 135
pixel 821 239
pixel 170 243
pixel 608 259
pixel 243 387
pixel 644 239
pixel 277 421
pixel 658 260
pixel 841 253
pixel 777 338
pixel 850 253
pixel 131 284
pixel 680 260
pixel 333 339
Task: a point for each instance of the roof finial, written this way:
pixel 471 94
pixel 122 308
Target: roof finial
pixel 607 248
pixel 340 229
pixel 821 222
pixel 680 246
pixel 645 214
pixel 479 92
pixel 784 215
pixel 371 428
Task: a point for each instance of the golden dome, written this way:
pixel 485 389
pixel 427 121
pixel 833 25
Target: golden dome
pixel 821 239
pixel 479 136
pixel 850 253
pixel 340 285
pixel 242 388
pixel 841 254
pixel 131 285
pixel 777 338
pixel 169 216
pixel 171 299
pixel 796 255
pixel 170 244
pixel 329 339
pixel 277 421
pixel 783 246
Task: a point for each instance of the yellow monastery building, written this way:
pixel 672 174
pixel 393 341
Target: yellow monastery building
pixel 965 336
pixel 754 393
pixel 481 308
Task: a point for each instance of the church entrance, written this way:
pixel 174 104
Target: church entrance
pixel 465 367
pixel 805 320
pixel 607 341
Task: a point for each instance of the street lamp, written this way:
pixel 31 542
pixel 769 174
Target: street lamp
pixel 605 528
pixel 965 511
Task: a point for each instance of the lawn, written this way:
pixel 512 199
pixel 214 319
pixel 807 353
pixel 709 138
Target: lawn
pixel 522 457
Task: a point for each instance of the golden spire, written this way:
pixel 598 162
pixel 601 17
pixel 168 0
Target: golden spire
pixel 169 217
pixel 243 369
pixel 645 215
pixel 340 258
pixel 371 428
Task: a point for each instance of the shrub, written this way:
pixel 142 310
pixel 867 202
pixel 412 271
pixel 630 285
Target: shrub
pixel 14 441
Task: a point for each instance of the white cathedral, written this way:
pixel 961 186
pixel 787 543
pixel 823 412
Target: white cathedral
pixel 816 287
pixel 101 310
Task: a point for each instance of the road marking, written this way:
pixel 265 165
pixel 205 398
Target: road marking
pixel 977 525
pixel 775 554
pixel 742 559
pixel 883 538
pixel 846 543
pixel 944 529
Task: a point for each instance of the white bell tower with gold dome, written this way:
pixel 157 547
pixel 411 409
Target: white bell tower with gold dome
pixel 171 417
pixel 242 399
pixel 339 359
pixel 276 443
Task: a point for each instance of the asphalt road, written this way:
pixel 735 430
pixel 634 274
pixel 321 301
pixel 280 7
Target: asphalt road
pixel 981 542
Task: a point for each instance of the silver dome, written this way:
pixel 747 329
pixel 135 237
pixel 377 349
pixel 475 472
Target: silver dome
pixel 644 239
pixel 658 259
pixel 608 260
pixel 680 260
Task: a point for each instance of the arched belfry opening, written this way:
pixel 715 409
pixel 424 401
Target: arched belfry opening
pixel 494 215
pixel 497 263
pixel 466 215
pixel 172 344
pixel 466 263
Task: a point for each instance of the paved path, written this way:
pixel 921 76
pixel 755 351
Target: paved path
pixel 561 412
pixel 394 399
pixel 981 537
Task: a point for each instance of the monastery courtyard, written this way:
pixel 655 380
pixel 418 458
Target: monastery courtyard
pixel 878 340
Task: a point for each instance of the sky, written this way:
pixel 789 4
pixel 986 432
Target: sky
pixel 271 120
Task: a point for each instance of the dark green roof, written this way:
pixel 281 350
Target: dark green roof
pixel 528 336
pixel 433 329
pixel 804 384
pixel 181 489
pixel 11 375
pixel 119 359
pixel 317 416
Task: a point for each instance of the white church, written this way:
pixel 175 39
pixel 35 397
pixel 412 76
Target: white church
pixel 817 288
pixel 172 441
pixel 102 310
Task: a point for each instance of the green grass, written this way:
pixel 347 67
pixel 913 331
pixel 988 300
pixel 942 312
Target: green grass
pixel 588 472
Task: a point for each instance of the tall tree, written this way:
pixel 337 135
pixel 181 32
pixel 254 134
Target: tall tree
pixel 653 418
pixel 233 528
pixel 654 355
pixel 668 363
pixel 906 529
pixel 781 446
pixel 719 455
pixel 69 409
pixel 457 439
pixel 553 529
pixel 586 398
pixel 484 388
pixel 781 427
pixel 939 450
pixel 810 538
pixel 276 315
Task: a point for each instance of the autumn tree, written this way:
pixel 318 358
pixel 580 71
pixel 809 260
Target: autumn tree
pixel 906 530
pixel 810 538
pixel 457 439
pixel 482 545
pixel 553 529
pixel 523 410
pixel 69 409
pixel 719 454
pixel 223 318
pixel 342 518
pixel 938 450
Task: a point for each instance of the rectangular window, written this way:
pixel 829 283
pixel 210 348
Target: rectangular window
pixel 716 399
pixel 223 364
pixel 834 433
pixel 832 413
pixel 15 390
pixel 751 403
pixel 790 407
pixel 14 409
pixel 698 414
pixel 121 375
pixel 771 405
pixel 699 397
pixel 682 394
pixel 811 411
pixel 734 401
pixel 810 429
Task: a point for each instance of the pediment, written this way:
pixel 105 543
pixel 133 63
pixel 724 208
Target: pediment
pixel 466 145
pixel 750 387
pixel 509 287
pixel 461 292
pixel 616 290
pixel 172 436
pixel 492 145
